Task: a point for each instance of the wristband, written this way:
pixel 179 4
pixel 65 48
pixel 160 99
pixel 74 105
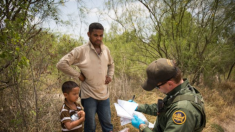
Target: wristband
pixel 143 127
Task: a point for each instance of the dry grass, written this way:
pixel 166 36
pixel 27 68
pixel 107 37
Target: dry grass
pixel 12 117
pixel 220 107
pixel 219 103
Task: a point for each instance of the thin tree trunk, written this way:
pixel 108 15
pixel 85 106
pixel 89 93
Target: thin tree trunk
pixel 35 97
pixel 230 70
pixel 21 107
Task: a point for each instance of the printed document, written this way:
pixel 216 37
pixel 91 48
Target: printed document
pixel 126 111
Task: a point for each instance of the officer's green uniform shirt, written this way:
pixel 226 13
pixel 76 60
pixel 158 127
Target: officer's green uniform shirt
pixel 179 116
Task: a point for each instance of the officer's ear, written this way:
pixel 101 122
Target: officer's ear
pixel 171 84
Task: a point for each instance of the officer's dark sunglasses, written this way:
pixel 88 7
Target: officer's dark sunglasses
pixel 158 86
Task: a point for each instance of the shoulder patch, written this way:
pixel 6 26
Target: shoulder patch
pixel 179 117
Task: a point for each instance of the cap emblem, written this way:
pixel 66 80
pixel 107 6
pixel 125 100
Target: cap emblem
pixel 169 62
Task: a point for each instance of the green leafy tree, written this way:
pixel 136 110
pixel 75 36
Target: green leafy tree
pixel 191 32
pixel 20 23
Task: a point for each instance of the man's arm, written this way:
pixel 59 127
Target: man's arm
pixel 65 63
pixel 180 120
pixel 110 71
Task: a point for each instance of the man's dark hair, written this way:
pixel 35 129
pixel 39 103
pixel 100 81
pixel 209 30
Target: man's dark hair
pixel 95 25
pixel 68 86
pixel 178 76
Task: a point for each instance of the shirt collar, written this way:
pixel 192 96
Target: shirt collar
pixel 66 103
pixel 178 88
pixel 92 47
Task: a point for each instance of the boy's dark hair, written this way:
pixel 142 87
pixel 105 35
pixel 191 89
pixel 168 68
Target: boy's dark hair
pixel 68 86
pixel 95 25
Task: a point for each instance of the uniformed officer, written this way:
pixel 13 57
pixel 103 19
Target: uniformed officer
pixel 182 110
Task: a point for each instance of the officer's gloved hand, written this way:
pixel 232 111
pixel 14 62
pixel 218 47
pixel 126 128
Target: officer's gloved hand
pixel 133 102
pixel 136 121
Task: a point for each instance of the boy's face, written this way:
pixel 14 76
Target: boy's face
pixel 73 95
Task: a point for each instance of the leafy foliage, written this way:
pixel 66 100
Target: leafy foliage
pixel 191 32
pixel 198 34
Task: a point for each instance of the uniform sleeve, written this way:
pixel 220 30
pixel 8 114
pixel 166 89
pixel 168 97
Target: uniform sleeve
pixel 147 130
pixel 150 109
pixel 64 116
pixel 180 120
pixel 110 65
pixel 69 59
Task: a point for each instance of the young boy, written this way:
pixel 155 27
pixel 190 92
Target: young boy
pixel 71 114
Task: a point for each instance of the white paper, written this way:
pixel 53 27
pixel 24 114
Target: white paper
pixel 142 117
pixel 124 121
pixel 122 112
pixel 126 111
pixel 129 107
pixel 151 125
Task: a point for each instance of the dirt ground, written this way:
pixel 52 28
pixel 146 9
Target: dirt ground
pixel 229 126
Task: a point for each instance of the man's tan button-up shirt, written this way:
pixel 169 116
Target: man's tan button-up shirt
pixel 94 67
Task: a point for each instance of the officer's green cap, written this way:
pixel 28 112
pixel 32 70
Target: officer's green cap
pixel 160 70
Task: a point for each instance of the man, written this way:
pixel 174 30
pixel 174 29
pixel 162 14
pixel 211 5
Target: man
pixel 182 110
pixel 97 68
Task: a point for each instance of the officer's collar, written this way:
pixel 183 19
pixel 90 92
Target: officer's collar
pixel 178 88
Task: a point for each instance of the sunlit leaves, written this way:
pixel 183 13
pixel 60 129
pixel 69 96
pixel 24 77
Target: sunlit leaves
pixel 191 32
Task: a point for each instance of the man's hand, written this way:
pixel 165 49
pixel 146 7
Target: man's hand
pixel 82 77
pixel 136 121
pixel 108 80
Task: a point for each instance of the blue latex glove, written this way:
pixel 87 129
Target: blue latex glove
pixel 136 121
pixel 133 102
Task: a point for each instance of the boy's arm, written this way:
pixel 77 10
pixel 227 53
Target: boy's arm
pixel 70 125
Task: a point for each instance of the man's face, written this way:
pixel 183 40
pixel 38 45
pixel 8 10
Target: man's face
pixel 96 36
pixel 163 88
